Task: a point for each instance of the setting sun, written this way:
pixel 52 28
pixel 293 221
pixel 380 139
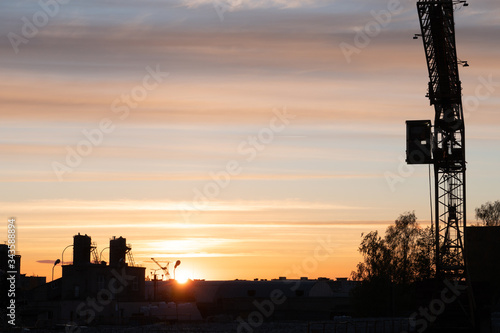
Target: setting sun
pixel 181 278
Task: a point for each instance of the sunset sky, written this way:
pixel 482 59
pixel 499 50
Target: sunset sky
pixel 237 136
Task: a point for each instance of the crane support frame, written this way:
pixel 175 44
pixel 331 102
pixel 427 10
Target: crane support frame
pixel 438 35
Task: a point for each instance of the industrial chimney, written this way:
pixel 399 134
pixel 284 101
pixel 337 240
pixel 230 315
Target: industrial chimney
pixel 117 251
pixel 81 249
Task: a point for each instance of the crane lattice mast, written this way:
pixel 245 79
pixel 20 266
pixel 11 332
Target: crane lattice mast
pixel 445 149
pixel 443 145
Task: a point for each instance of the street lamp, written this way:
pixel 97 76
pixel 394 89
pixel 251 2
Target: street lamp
pixel 177 263
pixel 100 254
pixel 55 263
pixel 62 255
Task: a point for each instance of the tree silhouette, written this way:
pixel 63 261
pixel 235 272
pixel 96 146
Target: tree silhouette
pixel 489 213
pixel 377 258
pixel 404 255
pixel 391 265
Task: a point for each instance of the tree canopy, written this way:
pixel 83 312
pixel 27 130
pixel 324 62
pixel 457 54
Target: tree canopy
pixel 391 265
pixel 489 213
pixel 404 255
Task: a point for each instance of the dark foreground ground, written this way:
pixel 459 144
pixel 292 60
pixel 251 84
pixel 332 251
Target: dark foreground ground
pixel 348 326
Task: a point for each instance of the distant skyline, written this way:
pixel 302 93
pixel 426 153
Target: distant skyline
pixel 236 136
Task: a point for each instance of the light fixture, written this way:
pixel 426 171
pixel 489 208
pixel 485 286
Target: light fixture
pixel 177 263
pixel 464 63
pixel 55 263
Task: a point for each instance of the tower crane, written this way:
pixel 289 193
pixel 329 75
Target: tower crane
pixel 443 144
pixel 164 268
pixel 444 147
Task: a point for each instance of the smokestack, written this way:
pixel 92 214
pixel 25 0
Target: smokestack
pixel 81 249
pixel 117 251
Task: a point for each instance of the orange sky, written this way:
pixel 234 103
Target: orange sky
pixel 237 143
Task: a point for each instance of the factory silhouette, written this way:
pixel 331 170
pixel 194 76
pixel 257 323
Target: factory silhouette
pixel 92 293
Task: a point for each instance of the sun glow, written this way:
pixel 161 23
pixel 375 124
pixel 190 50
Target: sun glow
pixel 181 278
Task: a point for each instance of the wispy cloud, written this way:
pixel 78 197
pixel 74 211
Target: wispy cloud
pixel 253 4
pixel 45 261
pixel 145 206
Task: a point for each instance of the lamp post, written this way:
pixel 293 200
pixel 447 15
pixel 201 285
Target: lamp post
pixel 55 263
pixel 62 255
pixel 177 263
pixel 100 254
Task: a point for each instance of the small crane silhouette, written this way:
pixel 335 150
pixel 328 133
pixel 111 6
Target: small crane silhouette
pixel 164 268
